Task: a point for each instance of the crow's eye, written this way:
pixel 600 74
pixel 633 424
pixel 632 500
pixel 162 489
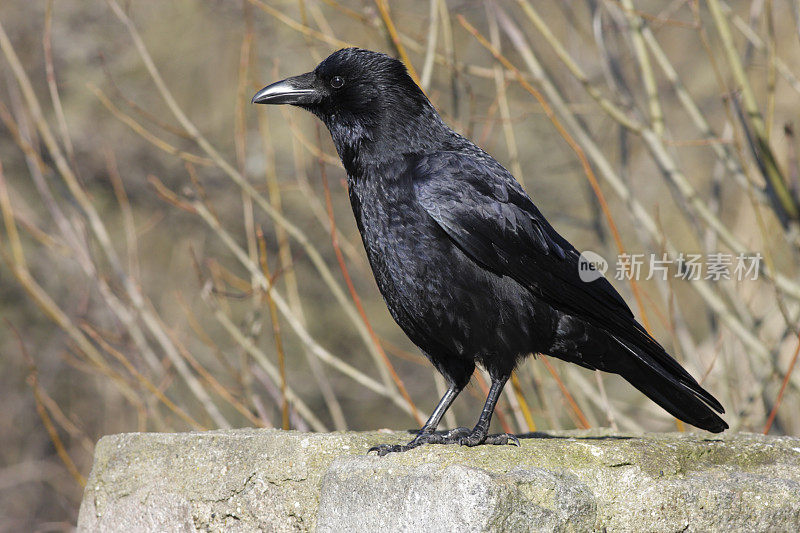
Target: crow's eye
pixel 337 82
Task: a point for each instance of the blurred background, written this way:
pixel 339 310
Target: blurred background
pixel 175 259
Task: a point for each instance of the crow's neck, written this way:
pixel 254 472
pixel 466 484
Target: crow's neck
pixel 383 138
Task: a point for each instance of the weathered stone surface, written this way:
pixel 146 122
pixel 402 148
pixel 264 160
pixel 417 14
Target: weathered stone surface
pixel 270 480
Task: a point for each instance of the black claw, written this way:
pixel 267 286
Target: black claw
pixel 502 438
pixel 383 449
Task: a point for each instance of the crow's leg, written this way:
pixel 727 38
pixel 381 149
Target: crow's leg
pixel 426 435
pixel 462 435
pixel 480 433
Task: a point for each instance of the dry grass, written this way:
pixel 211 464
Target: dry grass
pixel 175 259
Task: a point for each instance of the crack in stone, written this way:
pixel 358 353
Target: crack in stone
pixel 235 492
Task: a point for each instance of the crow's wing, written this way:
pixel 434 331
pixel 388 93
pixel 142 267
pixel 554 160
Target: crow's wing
pixel 487 214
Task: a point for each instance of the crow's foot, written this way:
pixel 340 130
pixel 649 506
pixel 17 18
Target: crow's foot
pixel 462 435
pixel 476 437
pixel 421 438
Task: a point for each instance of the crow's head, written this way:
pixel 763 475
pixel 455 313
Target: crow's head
pixel 352 82
pixel 367 100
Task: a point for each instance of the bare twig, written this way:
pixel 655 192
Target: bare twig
pixel 276 329
pixel 33 382
pixel 785 381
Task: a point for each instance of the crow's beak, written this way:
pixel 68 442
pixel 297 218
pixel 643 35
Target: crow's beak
pixel 298 90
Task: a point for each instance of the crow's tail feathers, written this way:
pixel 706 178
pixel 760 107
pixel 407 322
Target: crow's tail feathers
pixel 649 368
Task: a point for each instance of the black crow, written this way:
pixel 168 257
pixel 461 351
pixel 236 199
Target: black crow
pixel 469 267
